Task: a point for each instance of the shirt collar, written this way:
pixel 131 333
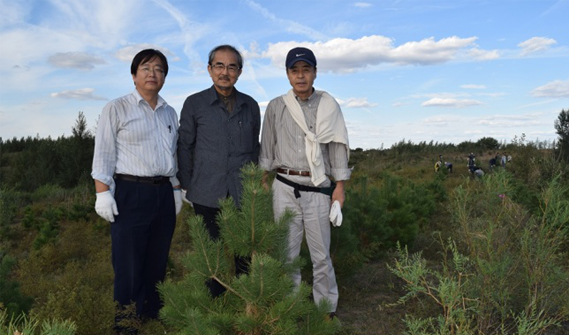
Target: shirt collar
pixel 310 98
pixel 140 99
pixel 213 96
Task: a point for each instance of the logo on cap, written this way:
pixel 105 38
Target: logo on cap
pixel 300 54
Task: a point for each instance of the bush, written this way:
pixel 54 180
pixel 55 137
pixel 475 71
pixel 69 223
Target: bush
pixel 262 301
pixel 383 216
pixel 11 297
pixel 71 278
pixel 503 272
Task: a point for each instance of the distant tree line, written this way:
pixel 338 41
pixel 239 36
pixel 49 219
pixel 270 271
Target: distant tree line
pixel 29 163
pixel 482 145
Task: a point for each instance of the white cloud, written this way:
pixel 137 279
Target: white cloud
pixel 428 51
pixel 535 44
pixel 437 121
pixel 22 47
pixel 13 12
pixel 356 103
pixel 362 5
pixel 75 60
pixel 288 25
pixel 190 31
pixel 103 23
pixel 80 94
pixel 450 102
pixel 554 89
pixel 483 55
pixel 126 54
pixel 348 55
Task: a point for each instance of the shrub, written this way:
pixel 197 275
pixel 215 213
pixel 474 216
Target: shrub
pixel 503 271
pixel 71 278
pixel 15 303
pixel 383 216
pixel 261 301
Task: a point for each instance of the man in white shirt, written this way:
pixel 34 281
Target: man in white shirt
pixel 134 168
pixel 304 139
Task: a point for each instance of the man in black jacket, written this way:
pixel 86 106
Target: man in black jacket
pixel 218 135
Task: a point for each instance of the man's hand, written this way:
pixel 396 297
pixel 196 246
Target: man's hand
pixel 106 206
pixel 339 193
pixel 186 199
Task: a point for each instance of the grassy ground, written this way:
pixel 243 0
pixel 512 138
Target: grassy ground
pixel 367 299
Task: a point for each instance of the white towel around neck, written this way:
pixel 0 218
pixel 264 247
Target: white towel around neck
pixel 330 127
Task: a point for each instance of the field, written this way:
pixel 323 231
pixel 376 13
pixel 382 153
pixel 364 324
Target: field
pixel 56 251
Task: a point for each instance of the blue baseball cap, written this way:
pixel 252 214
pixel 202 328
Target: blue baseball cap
pixel 298 54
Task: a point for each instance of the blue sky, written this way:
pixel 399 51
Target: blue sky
pixel 418 70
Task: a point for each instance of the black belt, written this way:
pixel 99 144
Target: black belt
pixel 146 180
pixel 298 187
pixel 294 172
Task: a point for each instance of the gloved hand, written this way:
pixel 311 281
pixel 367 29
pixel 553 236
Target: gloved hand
pixel 178 200
pixel 185 199
pixel 336 214
pixel 106 206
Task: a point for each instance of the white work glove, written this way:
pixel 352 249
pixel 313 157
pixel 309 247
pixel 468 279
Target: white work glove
pixel 336 214
pixel 178 200
pixel 186 199
pixel 106 206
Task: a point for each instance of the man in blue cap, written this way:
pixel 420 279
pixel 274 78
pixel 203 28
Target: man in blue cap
pixel 305 140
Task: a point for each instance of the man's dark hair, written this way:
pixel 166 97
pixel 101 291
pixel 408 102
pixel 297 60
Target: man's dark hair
pixel 226 47
pixel 148 55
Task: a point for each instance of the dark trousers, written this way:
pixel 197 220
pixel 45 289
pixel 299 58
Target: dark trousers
pixel 209 215
pixel 141 237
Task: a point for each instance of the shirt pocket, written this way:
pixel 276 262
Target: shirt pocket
pixel 246 135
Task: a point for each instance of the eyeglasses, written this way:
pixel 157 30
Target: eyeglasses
pixel 148 70
pixel 220 67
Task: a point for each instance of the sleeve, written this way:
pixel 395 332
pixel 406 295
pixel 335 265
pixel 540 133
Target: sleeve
pixel 186 143
pixel 105 154
pixel 174 179
pixel 268 139
pixel 256 131
pixel 339 161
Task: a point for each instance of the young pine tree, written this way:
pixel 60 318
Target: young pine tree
pixel 261 302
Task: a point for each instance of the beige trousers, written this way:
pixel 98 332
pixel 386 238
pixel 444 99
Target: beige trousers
pixel 312 211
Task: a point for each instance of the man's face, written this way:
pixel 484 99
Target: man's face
pixel 301 77
pixel 149 77
pixel 224 70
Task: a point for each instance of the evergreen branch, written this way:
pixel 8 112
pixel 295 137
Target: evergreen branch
pixel 228 287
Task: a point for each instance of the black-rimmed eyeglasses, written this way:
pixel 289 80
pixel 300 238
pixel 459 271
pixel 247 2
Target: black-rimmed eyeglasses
pixel 220 67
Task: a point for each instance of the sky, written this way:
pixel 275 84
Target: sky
pixel 446 71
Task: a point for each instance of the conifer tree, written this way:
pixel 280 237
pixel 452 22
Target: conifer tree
pixel 262 301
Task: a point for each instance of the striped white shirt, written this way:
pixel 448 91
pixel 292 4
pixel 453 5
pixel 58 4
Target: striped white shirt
pixel 133 139
pixel 283 144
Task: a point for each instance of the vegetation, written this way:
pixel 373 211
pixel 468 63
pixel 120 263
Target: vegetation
pixel 418 252
pixel 562 130
pixel 263 301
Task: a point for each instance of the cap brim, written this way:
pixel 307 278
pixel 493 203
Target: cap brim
pixel 296 60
